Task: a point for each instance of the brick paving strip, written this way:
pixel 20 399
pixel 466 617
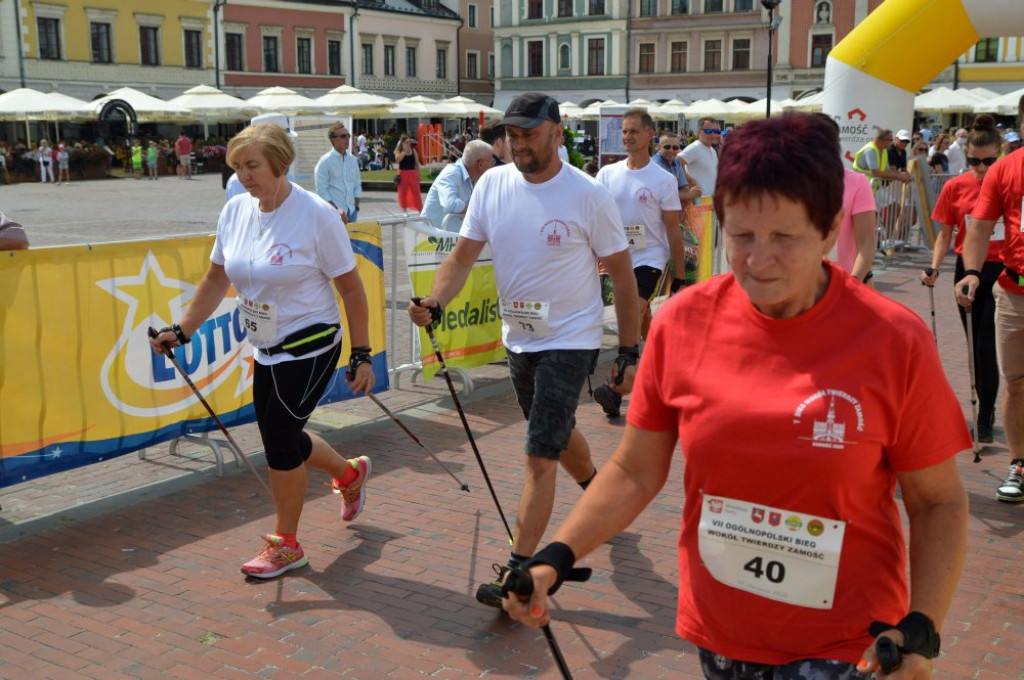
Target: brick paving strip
pixel 129 568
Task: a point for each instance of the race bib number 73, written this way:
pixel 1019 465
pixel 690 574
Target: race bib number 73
pixel 782 555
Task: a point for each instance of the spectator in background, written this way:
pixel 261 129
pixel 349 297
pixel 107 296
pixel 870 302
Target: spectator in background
pixel 937 158
pixel 449 193
pixel 12 235
pixel 667 158
pixel 337 175
pixel 1011 142
pixel 183 150
pixel 152 161
pixel 591 167
pixel 957 153
pixel 44 156
pixel 494 134
pixel 3 163
pixel 409 196
pixel 898 151
pixel 700 158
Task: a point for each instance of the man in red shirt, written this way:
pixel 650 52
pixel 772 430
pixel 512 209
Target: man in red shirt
pixel 183 150
pixel 1002 195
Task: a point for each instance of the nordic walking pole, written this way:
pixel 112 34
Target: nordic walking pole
pixel 465 423
pixel 231 440
pixel 520 582
pixel 931 301
pixel 378 402
pixel 974 384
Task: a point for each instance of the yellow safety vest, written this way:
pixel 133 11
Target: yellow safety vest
pixel 883 159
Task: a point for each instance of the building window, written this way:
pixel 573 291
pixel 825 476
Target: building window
pixel 334 57
pixel 713 55
pixel 678 57
pixel 389 60
pixel 471 20
pixel 565 8
pixel 492 17
pixel 490 66
pixel 648 8
pixel 233 45
pixel 100 38
pixel 304 55
pixel 680 6
pixel 595 57
pixel 741 54
pixel 535 9
pixel 743 6
pixel 713 6
pixel 821 45
pixel 596 7
pixel 646 61
pixel 535 58
pixel 367 59
pixel 49 38
pixel 271 63
pixel 442 63
pixel 472 65
pixel 564 57
pixel 410 62
pixel 987 50
pixel 193 49
pixel 149 45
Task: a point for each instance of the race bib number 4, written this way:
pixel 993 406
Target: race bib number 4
pixel 636 236
pixel 781 555
pixel 258 318
pixel 527 317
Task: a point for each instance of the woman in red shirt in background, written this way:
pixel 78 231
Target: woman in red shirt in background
pixel 953 209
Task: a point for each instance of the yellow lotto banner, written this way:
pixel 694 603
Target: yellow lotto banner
pixel 78 380
pixel 469 334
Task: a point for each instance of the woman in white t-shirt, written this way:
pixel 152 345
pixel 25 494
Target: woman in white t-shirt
pixel 282 248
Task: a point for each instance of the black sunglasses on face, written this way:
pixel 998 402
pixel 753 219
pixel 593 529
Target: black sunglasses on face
pixel 972 161
pixel 669 146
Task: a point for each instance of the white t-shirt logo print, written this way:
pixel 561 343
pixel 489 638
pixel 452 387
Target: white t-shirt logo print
pixel 554 230
pixel 278 252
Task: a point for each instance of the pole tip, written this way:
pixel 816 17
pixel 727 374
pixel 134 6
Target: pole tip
pixel 465 487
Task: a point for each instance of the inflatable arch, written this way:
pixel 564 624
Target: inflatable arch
pixel 872 75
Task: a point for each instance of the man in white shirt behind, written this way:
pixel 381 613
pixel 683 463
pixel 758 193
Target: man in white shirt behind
pixel 700 158
pixel 449 193
pixel 648 200
pixel 337 175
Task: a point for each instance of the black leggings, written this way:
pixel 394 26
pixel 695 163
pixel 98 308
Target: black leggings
pixel 983 311
pixel 284 396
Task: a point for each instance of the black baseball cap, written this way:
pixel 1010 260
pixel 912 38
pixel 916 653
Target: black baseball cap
pixel 530 110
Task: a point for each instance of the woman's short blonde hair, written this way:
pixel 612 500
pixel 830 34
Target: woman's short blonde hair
pixel 273 142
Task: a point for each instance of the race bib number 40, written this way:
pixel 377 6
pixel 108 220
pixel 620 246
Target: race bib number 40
pixel 782 555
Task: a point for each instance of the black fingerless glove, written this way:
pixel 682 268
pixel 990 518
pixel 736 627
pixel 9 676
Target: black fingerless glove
pixel 178 334
pixel 359 355
pixel 677 284
pixel 919 634
pixel 628 356
pixel 561 558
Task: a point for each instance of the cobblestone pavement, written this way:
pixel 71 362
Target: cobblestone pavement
pixel 129 568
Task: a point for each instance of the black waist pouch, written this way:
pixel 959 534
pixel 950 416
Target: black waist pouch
pixel 306 341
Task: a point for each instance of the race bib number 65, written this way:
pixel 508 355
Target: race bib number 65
pixel 782 555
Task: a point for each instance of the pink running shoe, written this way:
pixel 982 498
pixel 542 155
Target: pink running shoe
pixel 353 496
pixel 275 559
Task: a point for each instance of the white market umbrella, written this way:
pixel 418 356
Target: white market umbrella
pixel 421 107
pixel 346 99
pixel 670 110
pixel 210 104
pixel 593 112
pixel 640 103
pixel 945 100
pixel 758 109
pixel 470 108
pixel 147 107
pixel 1004 105
pixel 282 100
pixel 570 110
pixel 28 104
pixel 810 104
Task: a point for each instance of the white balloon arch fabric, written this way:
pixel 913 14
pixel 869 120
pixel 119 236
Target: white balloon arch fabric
pixel 874 73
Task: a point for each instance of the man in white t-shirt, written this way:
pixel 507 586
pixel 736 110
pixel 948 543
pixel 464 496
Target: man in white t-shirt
pixel 545 265
pixel 648 201
pixel 700 158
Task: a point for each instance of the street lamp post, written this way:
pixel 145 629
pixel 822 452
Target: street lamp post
pixel 773 26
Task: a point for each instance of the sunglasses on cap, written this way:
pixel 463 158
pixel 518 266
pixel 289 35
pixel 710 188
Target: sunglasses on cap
pixel 670 146
pixel 973 161
pixel 711 131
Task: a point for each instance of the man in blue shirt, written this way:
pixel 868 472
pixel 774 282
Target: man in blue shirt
pixel 668 150
pixel 449 193
pixel 337 175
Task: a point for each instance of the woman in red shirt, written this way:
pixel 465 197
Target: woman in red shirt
pixel 953 209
